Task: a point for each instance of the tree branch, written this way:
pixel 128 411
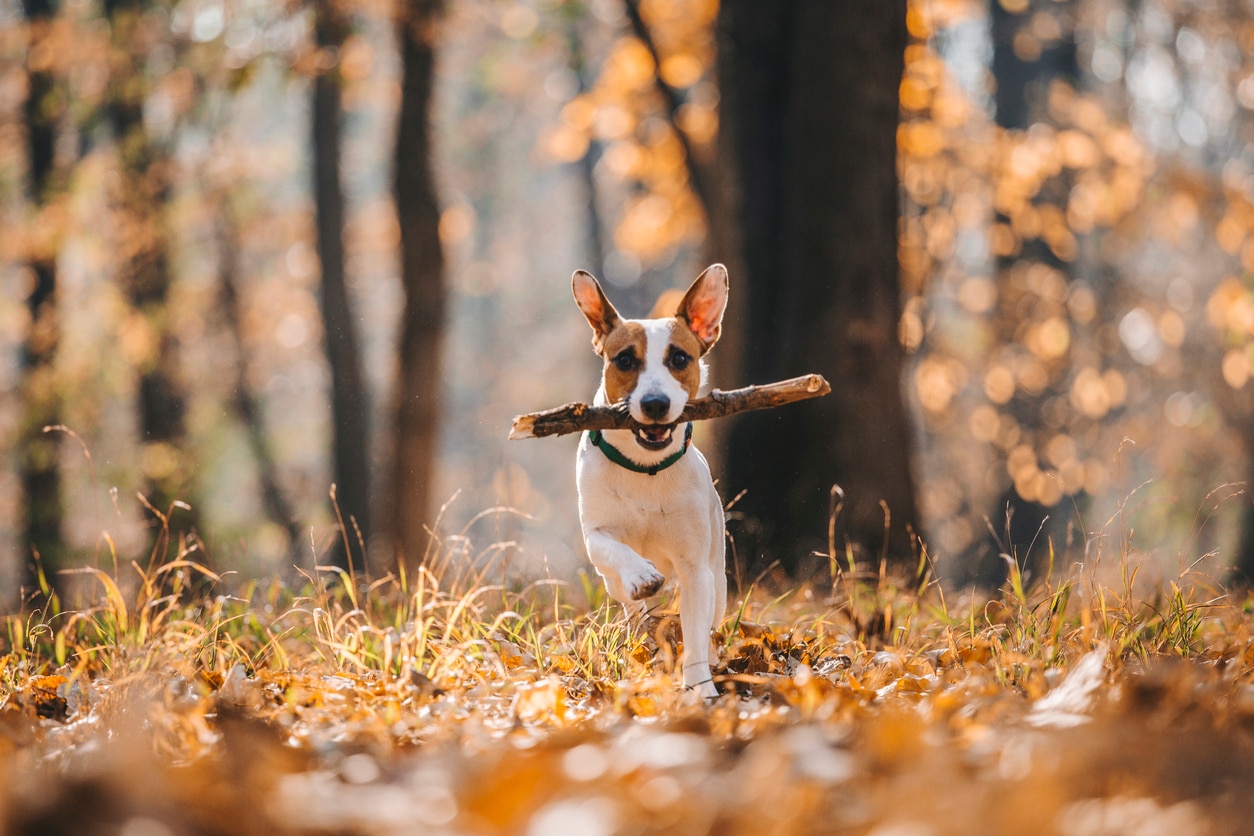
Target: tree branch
pixel 699 176
pixel 574 417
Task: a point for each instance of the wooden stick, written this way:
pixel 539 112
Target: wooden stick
pixel 576 417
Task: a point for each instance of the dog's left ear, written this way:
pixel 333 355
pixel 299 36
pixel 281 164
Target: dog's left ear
pixel 596 307
pixel 703 305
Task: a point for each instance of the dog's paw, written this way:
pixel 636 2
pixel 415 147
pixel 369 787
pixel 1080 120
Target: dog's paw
pixel 645 584
pixel 703 694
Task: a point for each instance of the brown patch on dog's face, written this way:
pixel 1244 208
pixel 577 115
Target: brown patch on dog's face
pixel 683 358
pixel 624 351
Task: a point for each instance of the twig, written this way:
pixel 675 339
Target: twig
pixel 575 417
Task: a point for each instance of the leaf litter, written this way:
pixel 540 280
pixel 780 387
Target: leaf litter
pixel 404 707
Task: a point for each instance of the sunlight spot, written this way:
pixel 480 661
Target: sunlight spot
pixel 1236 368
pixel 1147 816
pixel 1139 334
pixel 209 22
pixel 435 805
pixel 977 294
pixel 292 330
pixel 1183 409
pixel 1106 63
pixel 360 768
pixel 682 70
pixel 519 21
pixel 585 762
pixel 587 817
pixel 1171 328
pixel 659 793
pixel 984 423
pixel 456 223
pixel 301 260
pixel 622 269
pixel 1082 303
pixel 1060 449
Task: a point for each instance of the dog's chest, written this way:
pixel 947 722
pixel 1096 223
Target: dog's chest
pixel 653 515
pixel 640 506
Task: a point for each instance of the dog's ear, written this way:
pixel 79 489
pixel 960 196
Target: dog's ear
pixel 595 306
pixel 703 305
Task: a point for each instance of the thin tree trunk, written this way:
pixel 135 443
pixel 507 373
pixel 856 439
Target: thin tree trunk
pixel 810 103
pixel 595 229
pixel 422 275
pixel 349 406
pixel 245 403
pixel 1241 573
pixel 144 269
pixel 1023 528
pixel 40 451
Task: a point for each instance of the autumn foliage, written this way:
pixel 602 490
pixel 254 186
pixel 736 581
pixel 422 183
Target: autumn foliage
pixel 450 703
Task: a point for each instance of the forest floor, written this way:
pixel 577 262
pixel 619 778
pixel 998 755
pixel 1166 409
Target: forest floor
pixel 1092 703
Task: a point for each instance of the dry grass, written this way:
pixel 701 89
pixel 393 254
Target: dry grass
pixel 445 703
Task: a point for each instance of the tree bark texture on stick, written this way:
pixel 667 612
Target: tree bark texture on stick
pixel 576 417
pixel 810 110
pixel 422 277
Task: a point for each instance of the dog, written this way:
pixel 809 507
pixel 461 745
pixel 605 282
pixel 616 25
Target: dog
pixel 647 503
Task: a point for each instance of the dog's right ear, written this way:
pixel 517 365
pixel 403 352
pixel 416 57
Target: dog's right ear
pixel 595 306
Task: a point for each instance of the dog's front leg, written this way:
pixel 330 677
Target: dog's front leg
pixel 628 576
pixel 696 616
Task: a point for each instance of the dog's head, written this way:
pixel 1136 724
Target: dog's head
pixel 655 364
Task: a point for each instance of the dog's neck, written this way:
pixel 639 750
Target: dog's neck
pixel 618 457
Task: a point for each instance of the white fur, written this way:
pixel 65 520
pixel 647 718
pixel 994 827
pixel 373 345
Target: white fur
pixel 642 531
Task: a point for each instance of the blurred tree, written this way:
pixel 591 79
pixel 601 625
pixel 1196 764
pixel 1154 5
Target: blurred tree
pixel 350 409
pixel 572 13
pixel 422 275
pixel 1029 56
pixel 1034 48
pixel 809 101
pixel 41 474
pixel 243 399
pixel 141 195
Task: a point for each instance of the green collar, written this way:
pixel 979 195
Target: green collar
pixel 615 455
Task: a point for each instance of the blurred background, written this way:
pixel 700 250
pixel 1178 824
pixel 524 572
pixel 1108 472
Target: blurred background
pixel 250 249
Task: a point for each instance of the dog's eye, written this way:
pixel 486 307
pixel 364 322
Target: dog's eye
pixel 679 360
pixel 624 360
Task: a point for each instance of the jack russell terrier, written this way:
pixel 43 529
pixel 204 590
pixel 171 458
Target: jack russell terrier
pixel 647 503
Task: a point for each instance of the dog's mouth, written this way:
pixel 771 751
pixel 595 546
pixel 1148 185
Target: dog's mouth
pixel 655 436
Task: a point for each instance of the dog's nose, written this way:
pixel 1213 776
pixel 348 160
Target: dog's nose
pixel 655 407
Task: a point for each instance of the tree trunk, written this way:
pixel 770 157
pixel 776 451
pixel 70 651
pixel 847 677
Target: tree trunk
pixel 1024 528
pixel 422 275
pixel 810 102
pixel 144 270
pixel 1241 573
pixel 349 406
pixel 1023 82
pixel 40 469
pixel 245 402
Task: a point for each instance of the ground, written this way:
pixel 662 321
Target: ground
pixel 441 705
